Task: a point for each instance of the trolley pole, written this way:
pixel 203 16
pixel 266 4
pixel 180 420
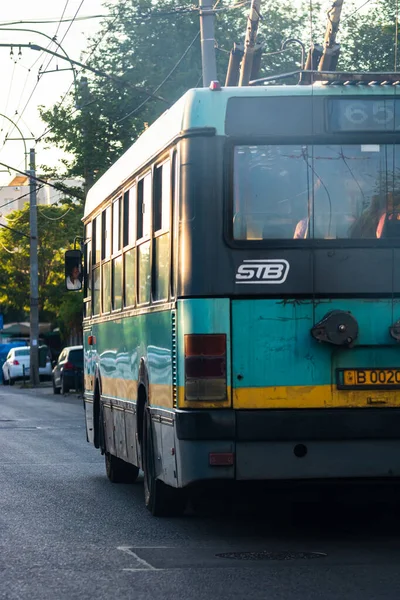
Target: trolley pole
pixel 250 42
pixel 207 37
pixel 331 49
pixel 34 273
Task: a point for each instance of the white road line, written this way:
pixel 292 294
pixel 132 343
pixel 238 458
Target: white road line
pixel 144 564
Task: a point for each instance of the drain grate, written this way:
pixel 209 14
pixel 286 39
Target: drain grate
pixel 264 555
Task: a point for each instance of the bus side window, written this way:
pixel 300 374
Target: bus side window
pixel 144 243
pixel 88 269
pixel 117 261
pixel 129 235
pixel 96 257
pixel 162 211
pixel 105 255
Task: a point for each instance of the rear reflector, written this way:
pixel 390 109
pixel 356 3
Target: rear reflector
pixel 221 459
pixel 205 367
pixel 15 362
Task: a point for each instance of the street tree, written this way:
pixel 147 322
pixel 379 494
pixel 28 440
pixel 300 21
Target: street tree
pixel 155 48
pixel 57 228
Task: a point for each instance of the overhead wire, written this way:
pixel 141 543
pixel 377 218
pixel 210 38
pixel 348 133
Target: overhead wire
pixel 8 95
pixel 40 180
pixel 357 10
pixel 39 187
pixel 57 30
pixel 92 51
pixel 50 21
pixel 38 81
pixel 7 250
pixel 54 218
pixel 171 72
pixel 66 32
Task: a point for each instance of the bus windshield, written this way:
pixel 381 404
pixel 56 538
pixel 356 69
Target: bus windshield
pixel 316 192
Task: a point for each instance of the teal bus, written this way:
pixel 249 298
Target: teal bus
pixel 242 291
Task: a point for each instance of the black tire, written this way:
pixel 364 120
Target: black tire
pixel 119 471
pixel 11 381
pixel 161 500
pixel 5 381
pixel 56 390
pixel 64 387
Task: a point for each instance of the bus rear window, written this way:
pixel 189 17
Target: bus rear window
pixel 316 192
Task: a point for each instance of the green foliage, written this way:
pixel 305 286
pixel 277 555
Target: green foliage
pixel 57 228
pixel 141 47
pixel 142 41
pixel 369 39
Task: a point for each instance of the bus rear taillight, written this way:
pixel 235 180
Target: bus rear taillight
pixel 205 367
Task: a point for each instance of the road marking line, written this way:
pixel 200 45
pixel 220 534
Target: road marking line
pixel 132 570
pixel 147 566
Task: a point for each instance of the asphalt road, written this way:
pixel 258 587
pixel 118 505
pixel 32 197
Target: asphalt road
pixel 67 533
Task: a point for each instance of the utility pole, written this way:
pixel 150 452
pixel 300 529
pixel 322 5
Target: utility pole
pixel 331 49
pixel 207 37
pixel 85 100
pixel 250 42
pixel 34 273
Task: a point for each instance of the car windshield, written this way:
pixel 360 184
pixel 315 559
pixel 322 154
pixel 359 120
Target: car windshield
pixel 320 192
pixel 76 357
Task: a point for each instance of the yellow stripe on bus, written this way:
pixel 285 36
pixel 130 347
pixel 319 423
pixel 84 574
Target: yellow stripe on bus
pixel 319 396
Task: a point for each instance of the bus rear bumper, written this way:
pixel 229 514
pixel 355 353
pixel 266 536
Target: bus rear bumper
pixel 289 445
pixel 318 460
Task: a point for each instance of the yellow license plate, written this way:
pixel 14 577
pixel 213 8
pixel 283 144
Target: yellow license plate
pixel 369 378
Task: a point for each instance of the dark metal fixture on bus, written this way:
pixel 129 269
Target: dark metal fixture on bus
pixel 395 330
pixel 337 327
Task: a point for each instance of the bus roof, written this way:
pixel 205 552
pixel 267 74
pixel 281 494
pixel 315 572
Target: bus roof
pixel 200 108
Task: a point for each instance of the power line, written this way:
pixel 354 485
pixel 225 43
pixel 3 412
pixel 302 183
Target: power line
pixel 58 188
pixel 15 230
pixel 39 187
pixel 54 20
pixel 37 83
pixel 356 11
pixel 164 80
pixel 93 50
pixel 9 93
pixel 61 18
pixel 58 29
pixel 56 218
pixel 7 250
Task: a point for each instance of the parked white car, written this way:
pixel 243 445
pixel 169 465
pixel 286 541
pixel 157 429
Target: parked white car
pixel 17 365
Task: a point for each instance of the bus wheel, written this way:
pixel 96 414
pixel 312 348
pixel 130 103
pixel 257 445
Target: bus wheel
pixel 161 500
pixel 119 471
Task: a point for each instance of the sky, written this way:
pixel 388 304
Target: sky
pixel 20 94
pixel 19 73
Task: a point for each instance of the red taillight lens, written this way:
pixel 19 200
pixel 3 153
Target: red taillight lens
pixel 68 366
pixel 15 362
pixel 205 345
pixel 205 367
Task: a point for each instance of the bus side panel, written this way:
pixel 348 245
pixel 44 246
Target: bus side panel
pixel 202 316
pixel 120 347
pixel 88 386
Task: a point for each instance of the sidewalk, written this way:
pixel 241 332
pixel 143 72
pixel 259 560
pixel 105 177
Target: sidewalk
pixel 45 388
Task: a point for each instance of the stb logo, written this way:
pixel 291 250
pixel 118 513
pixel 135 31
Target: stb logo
pixel 262 271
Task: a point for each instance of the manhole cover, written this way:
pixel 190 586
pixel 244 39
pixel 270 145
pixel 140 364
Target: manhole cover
pixel 264 555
